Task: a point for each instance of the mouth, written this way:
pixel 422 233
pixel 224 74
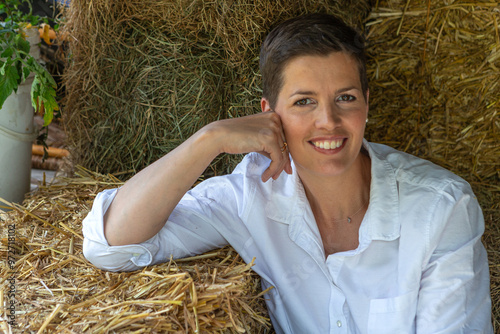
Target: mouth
pixel 328 144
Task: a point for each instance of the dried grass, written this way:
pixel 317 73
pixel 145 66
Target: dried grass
pixel 145 75
pixel 59 291
pixel 434 82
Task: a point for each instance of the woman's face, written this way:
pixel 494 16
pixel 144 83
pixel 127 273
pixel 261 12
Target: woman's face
pixel 323 112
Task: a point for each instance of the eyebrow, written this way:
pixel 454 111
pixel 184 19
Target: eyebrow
pixel 300 92
pixel 346 89
pixel 308 92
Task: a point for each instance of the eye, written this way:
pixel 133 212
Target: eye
pixel 346 98
pixel 304 102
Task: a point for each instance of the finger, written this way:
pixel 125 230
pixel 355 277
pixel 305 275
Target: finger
pixel 283 147
pixel 288 165
pixel 286 153
pixel 278 153
pixel 282 163
pixel 276 165
pixel 272 170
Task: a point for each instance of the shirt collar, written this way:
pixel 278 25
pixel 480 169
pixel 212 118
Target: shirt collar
pixel 383 221
pixel 288 201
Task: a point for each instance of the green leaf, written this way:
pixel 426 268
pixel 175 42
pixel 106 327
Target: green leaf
pixel 8 62
pixel 22 44
pixel 26 72
pixel 8 82
pixel 31 63
pixel 19 69
pixel 48 116
pixel 35 91
pixel 43 91
pixel 51 80
pixel 4 31
pixel 7 53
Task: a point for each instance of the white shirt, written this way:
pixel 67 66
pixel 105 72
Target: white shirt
pixel 420 266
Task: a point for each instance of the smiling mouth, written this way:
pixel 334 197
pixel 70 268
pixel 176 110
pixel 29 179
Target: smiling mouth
pixel 328 144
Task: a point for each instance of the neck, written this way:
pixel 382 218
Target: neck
pixel 348 192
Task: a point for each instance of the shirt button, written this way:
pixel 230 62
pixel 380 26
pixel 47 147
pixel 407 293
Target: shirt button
pixel 339 323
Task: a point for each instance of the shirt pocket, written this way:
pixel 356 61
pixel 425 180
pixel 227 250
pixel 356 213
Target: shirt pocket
pixel 393 315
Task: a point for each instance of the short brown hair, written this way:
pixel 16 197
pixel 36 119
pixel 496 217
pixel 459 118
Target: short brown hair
pixel 312 34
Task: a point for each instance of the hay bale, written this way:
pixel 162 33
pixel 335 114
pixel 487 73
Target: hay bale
pixel 145 75
pixel 434 82
pixel 434 92
pixel 58 290
pixel 489 198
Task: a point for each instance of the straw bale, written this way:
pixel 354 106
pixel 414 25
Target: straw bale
pixel 58 291
pixel 434 92
pixel 489 198
pixel 434 82
pixel 145 75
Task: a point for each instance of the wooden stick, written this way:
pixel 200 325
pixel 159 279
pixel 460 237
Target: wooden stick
pixel 52 151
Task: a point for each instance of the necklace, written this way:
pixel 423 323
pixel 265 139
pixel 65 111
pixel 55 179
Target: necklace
pixel 349 218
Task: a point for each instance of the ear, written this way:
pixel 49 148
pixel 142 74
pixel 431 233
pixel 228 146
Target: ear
pixel 264 105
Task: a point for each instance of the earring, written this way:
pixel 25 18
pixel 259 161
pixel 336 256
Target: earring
pixel 367 120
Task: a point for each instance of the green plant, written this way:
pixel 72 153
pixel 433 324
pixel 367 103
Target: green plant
pixel 16 63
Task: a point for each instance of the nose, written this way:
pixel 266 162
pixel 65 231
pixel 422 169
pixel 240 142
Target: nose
pixel 327 117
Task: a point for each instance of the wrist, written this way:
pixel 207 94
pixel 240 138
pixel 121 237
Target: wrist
pixel 211 136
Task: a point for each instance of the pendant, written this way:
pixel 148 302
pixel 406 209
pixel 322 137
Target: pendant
pixel 348 219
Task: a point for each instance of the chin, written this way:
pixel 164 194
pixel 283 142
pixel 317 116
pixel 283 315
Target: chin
pixel 326 171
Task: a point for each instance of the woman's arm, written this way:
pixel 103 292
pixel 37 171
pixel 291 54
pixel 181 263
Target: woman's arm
pixel 454 294
pixel 144 203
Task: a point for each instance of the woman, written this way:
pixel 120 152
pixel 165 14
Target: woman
pixel 355 237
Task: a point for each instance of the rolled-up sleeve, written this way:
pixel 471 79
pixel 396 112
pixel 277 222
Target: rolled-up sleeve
pixel 205 218
pixel 113 258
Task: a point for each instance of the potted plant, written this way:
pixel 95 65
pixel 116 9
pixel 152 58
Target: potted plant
pixel 26 87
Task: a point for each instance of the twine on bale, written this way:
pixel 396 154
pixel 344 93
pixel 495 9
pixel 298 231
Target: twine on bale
pixel 145 75
pixel 59 291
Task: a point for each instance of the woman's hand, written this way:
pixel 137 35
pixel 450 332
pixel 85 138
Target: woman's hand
pixel 262 133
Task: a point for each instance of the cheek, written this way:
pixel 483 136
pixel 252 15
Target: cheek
pixel 357 118
pixel 293 128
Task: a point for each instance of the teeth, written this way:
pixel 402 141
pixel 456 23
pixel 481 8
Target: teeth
pixel 328 145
